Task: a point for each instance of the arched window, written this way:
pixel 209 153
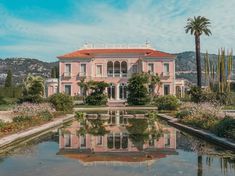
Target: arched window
pixel 123 91
pixel 117 69
pixel 124 68
pixel 110 69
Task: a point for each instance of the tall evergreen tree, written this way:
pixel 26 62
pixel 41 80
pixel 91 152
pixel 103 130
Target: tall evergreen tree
pixel 55 72
pixel 8 81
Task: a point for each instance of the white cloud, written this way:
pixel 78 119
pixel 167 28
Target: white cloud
pixel 161 23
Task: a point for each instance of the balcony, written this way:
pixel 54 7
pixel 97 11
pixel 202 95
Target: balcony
pixel 81 75
pixel 165 74
pixel 110 74
pixel 67 74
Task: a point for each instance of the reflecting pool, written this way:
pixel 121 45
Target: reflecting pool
pixel 118 143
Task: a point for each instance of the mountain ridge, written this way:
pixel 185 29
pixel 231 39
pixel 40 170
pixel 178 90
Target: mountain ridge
pixel 185 66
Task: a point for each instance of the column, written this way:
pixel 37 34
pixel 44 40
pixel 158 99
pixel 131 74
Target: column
pixel 120 68
pixel 117 92
pixel 117 117
pixel 113 69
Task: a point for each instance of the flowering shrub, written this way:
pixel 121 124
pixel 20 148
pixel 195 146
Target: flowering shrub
pixel 204 115
pixel 33 109
pixel 207 116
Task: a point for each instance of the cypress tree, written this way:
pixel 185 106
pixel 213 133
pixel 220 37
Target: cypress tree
pixel 8 81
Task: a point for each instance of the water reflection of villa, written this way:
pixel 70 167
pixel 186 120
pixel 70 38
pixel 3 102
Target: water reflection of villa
pixel 118 135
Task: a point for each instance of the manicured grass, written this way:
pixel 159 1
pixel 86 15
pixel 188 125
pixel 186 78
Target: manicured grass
pixel 230 107
pixel 89 106
pixel 6 107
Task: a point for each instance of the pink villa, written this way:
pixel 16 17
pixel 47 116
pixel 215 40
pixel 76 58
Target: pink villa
pixel 114 64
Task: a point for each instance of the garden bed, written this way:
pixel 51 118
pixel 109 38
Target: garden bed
pixel 224 142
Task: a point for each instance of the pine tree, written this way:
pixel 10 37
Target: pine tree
pixel 8 81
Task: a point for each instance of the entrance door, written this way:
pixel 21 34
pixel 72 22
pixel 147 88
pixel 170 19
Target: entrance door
pixel 111 91
pixel 166 89
pixel 123 91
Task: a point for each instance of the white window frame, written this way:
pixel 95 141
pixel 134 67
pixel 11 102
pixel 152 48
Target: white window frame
pixel 166 73
pixel 101 74
pixel 83 73
pixel 70 88
pixel 97 140
pixel 70 137
pixel 81 142
pixel 166 84
pixel 151 63
pixel 166 140
pixel 65 71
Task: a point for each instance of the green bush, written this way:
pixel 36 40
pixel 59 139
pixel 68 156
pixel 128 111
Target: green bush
pixel 167 102
pixel 62 102
pixel 31 99
pixel 199 95
pixel 2 100
pixel 11 92
pixel 2 124
pixel 22 118
pixel 183 113
pixel 46 115
pixel 96 99
pixel 196 94
pixel 79 116
pixel 225 128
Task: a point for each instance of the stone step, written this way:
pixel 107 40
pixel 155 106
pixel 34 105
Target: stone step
pixel 116 103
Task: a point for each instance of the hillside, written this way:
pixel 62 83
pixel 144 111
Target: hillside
pixel 185 67
pixel 22 66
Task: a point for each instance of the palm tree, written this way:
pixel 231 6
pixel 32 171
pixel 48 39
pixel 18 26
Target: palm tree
pixel 34 84
pixel 197 26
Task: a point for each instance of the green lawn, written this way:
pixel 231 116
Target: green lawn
pixel 230 107
pixel 5 107
pixel 89 106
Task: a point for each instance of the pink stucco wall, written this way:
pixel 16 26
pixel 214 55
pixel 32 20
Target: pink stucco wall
pixel 142 65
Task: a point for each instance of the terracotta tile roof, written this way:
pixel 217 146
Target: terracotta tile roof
pixel 89 53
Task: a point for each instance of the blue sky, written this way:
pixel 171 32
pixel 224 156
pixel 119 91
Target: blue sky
pixel 44 29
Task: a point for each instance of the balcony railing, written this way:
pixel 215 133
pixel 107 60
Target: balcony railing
pixel 82 74
pixel 166 73
pixel 67 74
pixel 117 74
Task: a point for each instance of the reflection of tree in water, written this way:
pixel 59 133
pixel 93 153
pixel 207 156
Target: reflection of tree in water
pixel 138 132
pixel 207 151
pixel 95 127
pixel 1 159
pixel 141 130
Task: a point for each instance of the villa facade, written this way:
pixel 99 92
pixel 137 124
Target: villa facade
pixel 115 65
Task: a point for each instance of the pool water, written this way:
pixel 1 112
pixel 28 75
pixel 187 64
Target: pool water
pixel 118 145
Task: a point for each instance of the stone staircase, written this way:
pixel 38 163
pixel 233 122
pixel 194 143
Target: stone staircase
pixel 116 103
